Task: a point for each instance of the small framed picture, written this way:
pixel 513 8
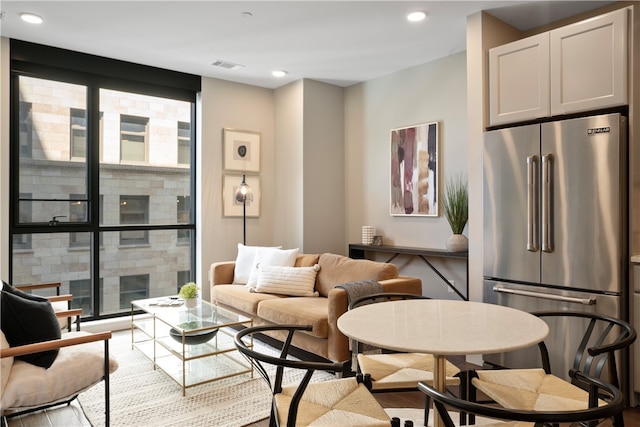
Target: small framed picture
pixel 232 207
pixel 241 150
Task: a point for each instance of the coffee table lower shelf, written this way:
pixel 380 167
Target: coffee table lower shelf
pixel 191 365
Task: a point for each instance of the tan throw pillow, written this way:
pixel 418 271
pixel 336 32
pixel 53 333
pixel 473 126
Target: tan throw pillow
pixel 291 281
pixel 5 364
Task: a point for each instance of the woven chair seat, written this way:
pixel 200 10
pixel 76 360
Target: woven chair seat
pixel 341 402
pixel 402 370
pixel 531 389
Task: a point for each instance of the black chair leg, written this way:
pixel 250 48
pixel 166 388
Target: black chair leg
pixel 427 406
pixel 464 380
pixel 471 392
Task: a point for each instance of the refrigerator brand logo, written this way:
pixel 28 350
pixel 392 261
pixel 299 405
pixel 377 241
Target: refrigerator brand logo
pixel 594 131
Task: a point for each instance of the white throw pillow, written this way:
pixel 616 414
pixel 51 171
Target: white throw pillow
pixel 245 261
pixel 271 256
pixel 291 281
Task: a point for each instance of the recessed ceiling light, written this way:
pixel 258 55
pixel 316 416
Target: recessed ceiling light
pixel 417 16
pixel 279 73
pixel 31 18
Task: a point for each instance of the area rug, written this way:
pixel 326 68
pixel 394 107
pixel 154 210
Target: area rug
pixel 141 396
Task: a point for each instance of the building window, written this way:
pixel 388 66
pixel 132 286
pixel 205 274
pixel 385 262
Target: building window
pixel 81 291
pixel 78 133
pixel 184 143
pixel 134 210
pixel 26 130
pixel 23 241
pixel 133 288
pixel 184 217
pixel 133 139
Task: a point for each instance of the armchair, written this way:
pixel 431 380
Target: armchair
pixel 80 364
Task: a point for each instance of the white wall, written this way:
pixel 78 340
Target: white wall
pixel 435 91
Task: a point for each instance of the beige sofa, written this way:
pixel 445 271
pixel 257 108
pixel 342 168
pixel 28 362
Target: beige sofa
pixel 321 312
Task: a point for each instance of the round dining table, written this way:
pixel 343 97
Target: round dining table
pixel 443 328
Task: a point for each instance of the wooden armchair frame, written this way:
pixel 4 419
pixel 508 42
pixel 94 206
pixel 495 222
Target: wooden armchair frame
pixel 69 313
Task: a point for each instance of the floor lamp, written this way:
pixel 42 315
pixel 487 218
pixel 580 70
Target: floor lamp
pixel 244 195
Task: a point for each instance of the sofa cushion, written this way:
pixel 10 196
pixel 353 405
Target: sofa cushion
pixel 291 281
pixel 337 269
pixel 239 297
pixel 306 260
pixel 297 311
pixel 271 256
pixel 245 261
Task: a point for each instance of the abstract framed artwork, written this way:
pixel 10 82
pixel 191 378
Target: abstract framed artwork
pixel 241 150
pixel 414 170
pixel 230 206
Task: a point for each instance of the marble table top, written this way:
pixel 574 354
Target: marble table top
pixel 443 327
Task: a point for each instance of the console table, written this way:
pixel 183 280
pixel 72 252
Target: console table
pixel 357 251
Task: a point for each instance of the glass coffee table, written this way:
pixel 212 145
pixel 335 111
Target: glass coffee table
pixel 193 346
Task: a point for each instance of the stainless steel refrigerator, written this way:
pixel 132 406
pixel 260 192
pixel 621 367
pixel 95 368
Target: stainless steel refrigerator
pixel 555 225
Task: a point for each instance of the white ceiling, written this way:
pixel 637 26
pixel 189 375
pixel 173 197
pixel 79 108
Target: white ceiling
pixel 338 42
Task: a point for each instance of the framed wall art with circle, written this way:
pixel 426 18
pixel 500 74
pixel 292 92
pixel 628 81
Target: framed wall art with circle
pixel 241 150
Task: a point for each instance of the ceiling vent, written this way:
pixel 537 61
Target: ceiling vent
pixel 227 65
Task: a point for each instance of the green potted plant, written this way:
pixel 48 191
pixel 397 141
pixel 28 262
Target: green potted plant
pixel 189 292
pixel 455 205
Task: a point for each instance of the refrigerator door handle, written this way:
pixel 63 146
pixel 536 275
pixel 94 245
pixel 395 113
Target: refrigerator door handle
pixel 532 217
pixel 547 213
pixel 583 301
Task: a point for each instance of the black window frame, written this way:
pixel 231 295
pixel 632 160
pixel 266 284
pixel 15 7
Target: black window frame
pixel 95 72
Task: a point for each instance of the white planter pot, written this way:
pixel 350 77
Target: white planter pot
pixel 457 243
pixel 191 302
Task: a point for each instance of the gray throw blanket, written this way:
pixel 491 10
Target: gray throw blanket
pixel 360 289
pixel 354 291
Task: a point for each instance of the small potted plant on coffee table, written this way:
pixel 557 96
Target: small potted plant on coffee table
pixel 189 292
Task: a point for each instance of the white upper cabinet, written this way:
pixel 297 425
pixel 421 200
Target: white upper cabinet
pixel 519 80
pixel 579 67
pixel 589 64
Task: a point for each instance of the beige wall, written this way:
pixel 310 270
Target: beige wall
pixel 435 91
pixel 226 104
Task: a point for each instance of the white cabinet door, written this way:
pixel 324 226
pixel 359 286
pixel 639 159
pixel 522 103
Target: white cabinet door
pixel 589 64
pixel 519 80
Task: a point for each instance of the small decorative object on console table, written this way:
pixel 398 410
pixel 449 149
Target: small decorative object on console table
pixel 455 205
pixel 189 292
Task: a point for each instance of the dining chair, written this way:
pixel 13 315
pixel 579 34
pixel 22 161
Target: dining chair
pixel 387 371
pixel 609 403
pixel 340 401
pixel 539 388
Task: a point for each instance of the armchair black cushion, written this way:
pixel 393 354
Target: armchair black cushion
pixel 28 319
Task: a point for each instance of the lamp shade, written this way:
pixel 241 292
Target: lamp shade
pixel 243 192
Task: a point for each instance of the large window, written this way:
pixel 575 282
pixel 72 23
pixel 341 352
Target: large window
pixel 96 176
